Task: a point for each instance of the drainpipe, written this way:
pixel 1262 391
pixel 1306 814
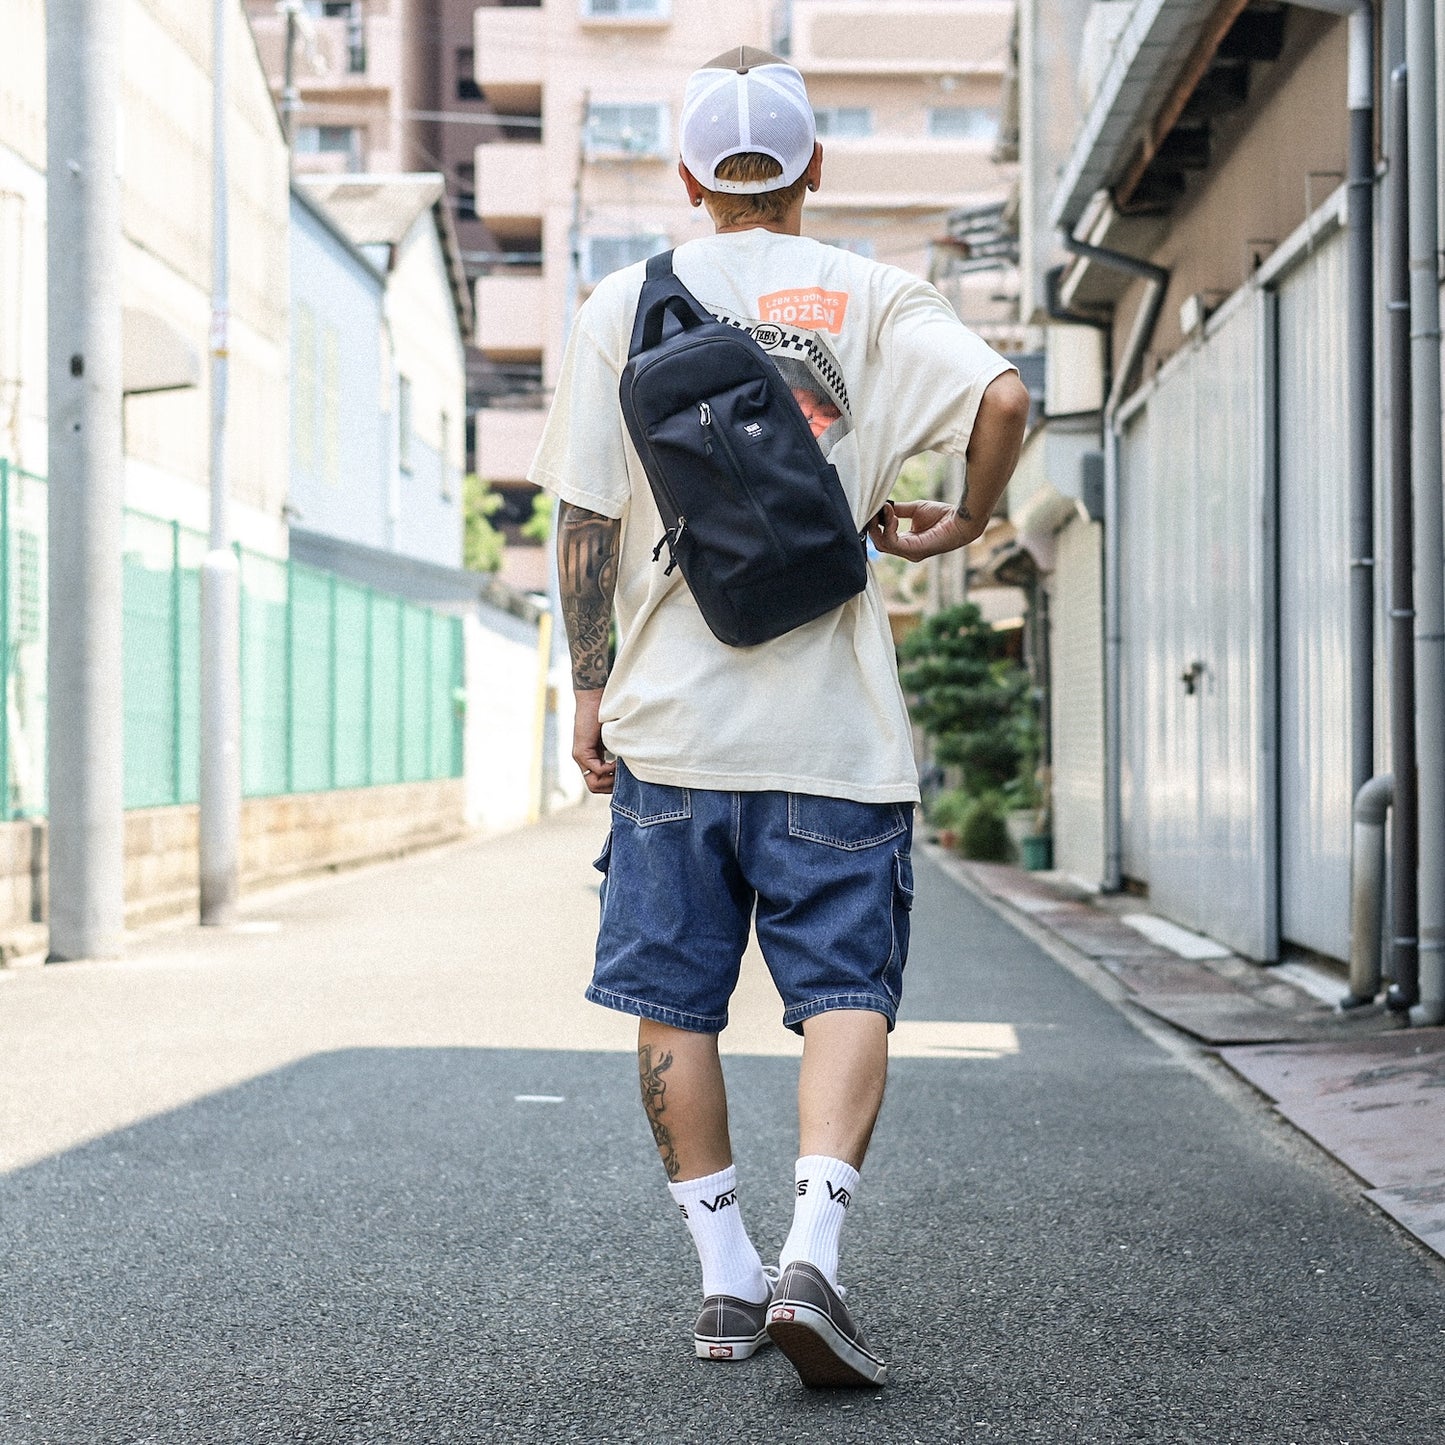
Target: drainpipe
pixel 1367 889
pixel 1404 841
pixel 1429 539
pixel 1139 336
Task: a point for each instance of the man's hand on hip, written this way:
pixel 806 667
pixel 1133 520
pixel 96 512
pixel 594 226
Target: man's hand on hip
pixel 935 527
pixel 597 771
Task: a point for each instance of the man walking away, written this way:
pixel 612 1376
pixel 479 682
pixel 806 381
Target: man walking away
pixel 772 785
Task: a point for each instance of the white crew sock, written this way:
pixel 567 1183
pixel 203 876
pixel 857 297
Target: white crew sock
pixel 825 1189
pixel 730 1264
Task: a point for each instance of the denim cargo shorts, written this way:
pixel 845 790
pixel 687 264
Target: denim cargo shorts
pixel 687 870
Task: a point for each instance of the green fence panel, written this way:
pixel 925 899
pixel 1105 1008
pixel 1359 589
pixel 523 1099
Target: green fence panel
pixel 265 670
pixel 415 692
pixel 353 692
pixel 341 686
pixel 386 614
pixel 313 644
pixel 150 666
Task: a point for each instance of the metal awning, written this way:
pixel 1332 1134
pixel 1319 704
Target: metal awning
pixel 1156 42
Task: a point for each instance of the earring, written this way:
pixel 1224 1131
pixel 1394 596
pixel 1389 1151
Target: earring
pixel 697 200
pixel 811 186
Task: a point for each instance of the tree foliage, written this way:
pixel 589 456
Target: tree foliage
pixel 482 542
pixel 967 696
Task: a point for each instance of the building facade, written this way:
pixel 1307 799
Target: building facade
pixel 1196 462
pixel 578 176
pixel 362 80
pixel 406 496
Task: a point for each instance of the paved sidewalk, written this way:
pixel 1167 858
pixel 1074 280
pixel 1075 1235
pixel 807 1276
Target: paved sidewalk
pixel 368 1170
pixel 1363 1086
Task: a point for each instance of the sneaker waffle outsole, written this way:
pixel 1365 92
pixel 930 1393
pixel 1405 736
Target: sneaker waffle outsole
pixel 815 1361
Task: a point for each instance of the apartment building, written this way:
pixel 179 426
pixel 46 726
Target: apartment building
pixel 578 175
pixel 362 76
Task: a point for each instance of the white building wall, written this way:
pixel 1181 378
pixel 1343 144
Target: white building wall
pixel 166 258
pixel 1077 700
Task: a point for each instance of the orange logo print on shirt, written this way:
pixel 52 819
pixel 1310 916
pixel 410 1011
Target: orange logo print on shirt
pixel 809 307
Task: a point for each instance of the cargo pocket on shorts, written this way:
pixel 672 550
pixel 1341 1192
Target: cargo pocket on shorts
pixel 602 863
pixel 902 922
pixel 842 822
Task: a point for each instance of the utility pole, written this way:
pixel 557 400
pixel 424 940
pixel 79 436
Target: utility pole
pixel 290 96
pixel 220 573
pixel 87 483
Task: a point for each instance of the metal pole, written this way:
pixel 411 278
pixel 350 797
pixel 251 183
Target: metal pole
pixel 290 96
pixel 1404 843
pixel 1425 462
pixel 87 484
pixel 220 832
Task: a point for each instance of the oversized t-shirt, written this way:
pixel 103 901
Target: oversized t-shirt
pixel 883 369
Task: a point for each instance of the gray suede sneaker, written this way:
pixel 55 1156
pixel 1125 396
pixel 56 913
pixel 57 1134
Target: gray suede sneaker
pixel 810 1325
pixel 730 1329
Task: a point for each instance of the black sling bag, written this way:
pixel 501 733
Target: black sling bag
pixel 755 516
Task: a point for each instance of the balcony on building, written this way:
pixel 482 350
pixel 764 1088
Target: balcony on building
pixel 507 438
pixel 509 309
pixel 900 37
pixel 904 174
pixel 508 180
pixel 331 47
pixel 508 55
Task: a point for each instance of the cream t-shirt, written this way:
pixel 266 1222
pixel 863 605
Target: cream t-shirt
pixel 883 369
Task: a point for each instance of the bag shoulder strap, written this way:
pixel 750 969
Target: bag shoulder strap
pixel 663 295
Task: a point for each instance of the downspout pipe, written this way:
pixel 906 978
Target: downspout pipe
pixel 1425 460
pixel 1404 839
pixel 1157 278
pixel 1367 889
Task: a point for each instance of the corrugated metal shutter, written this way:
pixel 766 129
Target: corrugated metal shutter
pixel 1077 698
pixel 1195 777
pixel 1314 605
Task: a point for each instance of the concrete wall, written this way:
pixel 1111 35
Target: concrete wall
pixel 281 838
pixel 340 450
pixel 165 258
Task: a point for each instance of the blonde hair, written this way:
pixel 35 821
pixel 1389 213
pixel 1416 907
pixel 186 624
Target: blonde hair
pixel 729 209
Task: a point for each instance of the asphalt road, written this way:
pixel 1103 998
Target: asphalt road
pixel 1075 1240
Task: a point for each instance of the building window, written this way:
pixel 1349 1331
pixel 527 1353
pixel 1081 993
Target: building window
pixel 403 424
pixel 627 130
pixel 315 140
pixel 844 122
pixel 602 255
pixel 466 205
pixel 963 122
pixel 467 87
pixel 625 9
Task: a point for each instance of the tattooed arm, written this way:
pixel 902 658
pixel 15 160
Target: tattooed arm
pixel 993 452
pixel 587 547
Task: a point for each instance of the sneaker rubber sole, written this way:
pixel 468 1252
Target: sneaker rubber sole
pixel 823 1356
pixel 733 1348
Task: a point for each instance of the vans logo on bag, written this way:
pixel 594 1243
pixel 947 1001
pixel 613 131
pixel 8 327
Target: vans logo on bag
pixel 839 1195
pixel 721 1202
pixel 754 431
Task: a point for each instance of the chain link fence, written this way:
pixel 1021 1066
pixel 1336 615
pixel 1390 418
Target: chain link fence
pixel 341 686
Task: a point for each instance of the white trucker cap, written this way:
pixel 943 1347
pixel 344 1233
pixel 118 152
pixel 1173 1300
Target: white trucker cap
pixel 746 100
